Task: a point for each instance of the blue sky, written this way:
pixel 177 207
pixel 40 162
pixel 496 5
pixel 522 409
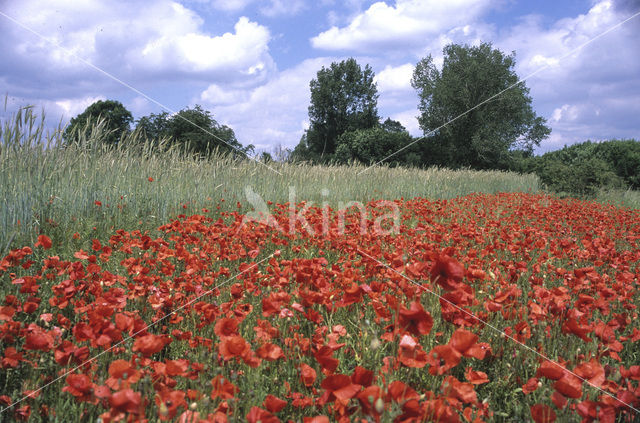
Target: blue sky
pixel 250 61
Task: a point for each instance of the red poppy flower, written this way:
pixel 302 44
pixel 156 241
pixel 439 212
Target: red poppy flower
pixel 476 377
pixel 126 401
pixel 44 241
pixel 150 344
pixel 274 404
pixel 233 346
pixel 542 414
pixel 168 402
pixel 307 374
pixel 11 358
pixel 410 353
pixel 226 327
pixel 223 389
pixel 462 340
pixel 463 391
pixel 442 358
pixel 371 400
pixel 258 415
pixel 270 352
pixel 415 320
pixel 569 386
pixel 79 385
pixel 362 376
pixel 122 375
pixel 400 392
pixel 447 272
pixel 592 371
pixel 324 356
pixel 38 339
pixel 550 370
pixel 559 400
pixel 530 386
pixel 340 387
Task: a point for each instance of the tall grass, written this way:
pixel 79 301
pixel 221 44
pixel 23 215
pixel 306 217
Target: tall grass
pixel 56 188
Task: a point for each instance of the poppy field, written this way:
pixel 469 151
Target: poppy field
pixel 487 307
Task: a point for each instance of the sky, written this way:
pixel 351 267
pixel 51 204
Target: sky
pixel 249 62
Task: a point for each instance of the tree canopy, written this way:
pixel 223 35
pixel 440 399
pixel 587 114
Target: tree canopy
pixel 372 145
pixel 481 137
pixel 343 98
pixel 193 129
pixel 117 120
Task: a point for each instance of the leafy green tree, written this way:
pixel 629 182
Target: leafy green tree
pixel 371 145
pixel 583 178
pixel 155 126
pixel 482 136
pixel 343 98
pixel 624 158
pixel 117 121
pixel 585 167
pixel 193 129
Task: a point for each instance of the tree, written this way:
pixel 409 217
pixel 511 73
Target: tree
pixel 483 136
pixel 155 126
pixel 117 121
pixel 371 145
pixel 343 98
pixel 194 129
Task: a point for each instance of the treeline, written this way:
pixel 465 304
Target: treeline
pixel 585 168
pixel 474 113
pixel 194 130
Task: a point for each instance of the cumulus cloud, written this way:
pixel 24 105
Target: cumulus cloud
pixel 244 52
pixel 271 114
pixel 590 93
pixel 396 78
pixel 406 24
pixel 135 41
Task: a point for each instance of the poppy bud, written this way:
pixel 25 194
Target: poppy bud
pixel 379 406
pixel 375 344
pixel 163 409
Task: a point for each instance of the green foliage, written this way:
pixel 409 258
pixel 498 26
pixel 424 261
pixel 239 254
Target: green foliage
pixel 194 130
pixel 587 167
pixel 343 98
pixel 369 146
pixel 483 137
pixel 581 178
pixel 118 121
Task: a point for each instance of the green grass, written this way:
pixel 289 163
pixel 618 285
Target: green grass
pixel 47 187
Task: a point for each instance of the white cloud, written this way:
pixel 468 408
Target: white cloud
pixel 244 52
pixel 564 113
pixel 71 107
pixel 135 41
pixel 395 78
pixel 404 25
pixel 273 113
pixel 408 119
pixel 217 95
pixel 591 93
